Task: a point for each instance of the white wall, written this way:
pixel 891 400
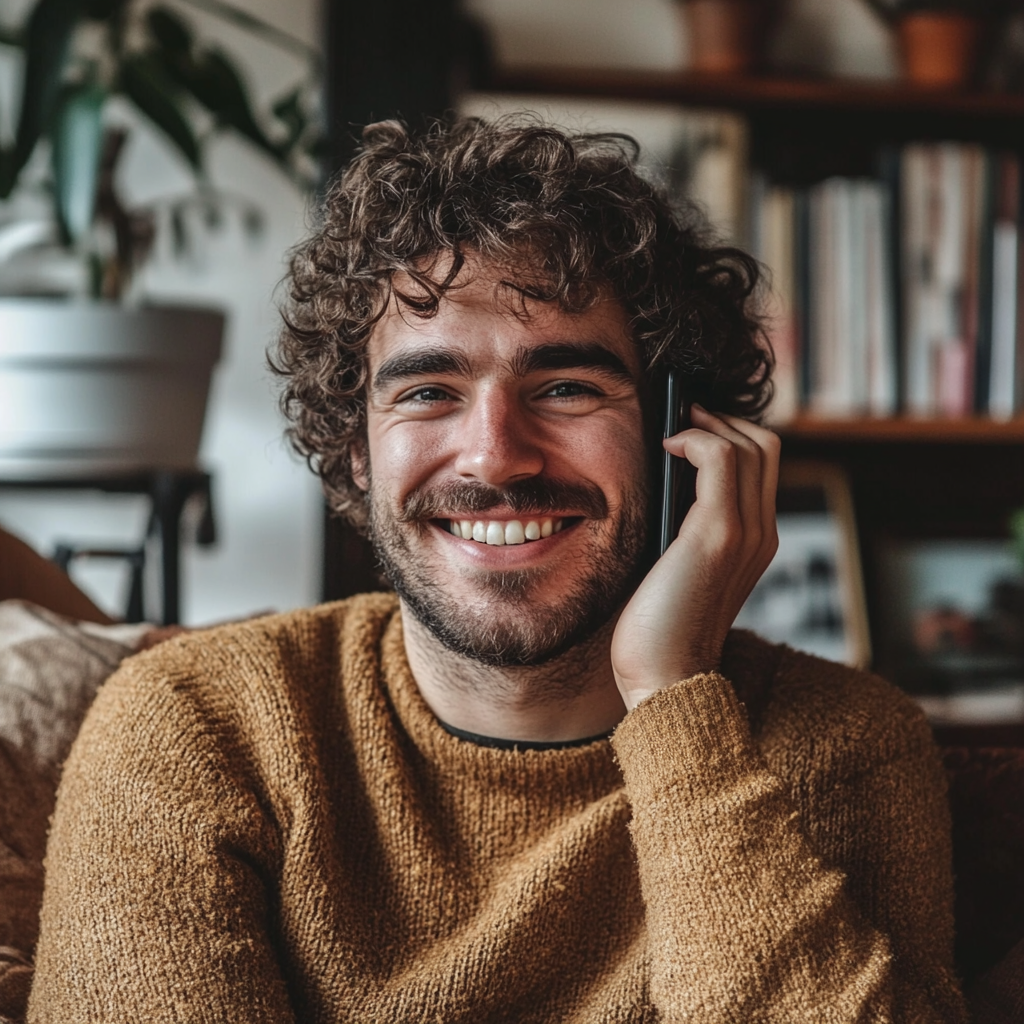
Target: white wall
pixel 267 503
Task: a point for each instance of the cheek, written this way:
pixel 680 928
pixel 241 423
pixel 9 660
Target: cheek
pixel 611 453
pixel 405 455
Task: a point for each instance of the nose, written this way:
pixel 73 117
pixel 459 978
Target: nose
pixel 495 442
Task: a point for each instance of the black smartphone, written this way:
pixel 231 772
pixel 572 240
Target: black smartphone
pixel 678 477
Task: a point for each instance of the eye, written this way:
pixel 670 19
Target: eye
pixel 427 394
pixel 571 389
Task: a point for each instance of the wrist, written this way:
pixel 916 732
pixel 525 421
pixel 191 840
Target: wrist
pixel 634 692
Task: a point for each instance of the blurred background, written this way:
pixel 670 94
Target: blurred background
pixel 867 152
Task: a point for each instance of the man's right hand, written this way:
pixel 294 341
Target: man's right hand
pixel 675 624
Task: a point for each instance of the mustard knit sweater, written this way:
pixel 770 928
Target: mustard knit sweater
pixel 266 823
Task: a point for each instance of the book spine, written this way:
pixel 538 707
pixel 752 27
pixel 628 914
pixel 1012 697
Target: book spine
pixel 917 185
pixel 879 303
pixel 986 256
pixel 889 171
pixel 857 314
pixel 802 288
pixel 1018 376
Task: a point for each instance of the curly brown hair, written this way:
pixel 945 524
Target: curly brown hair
pixel 573 205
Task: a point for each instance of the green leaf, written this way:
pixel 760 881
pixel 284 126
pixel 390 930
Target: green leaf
pixel 258 27
pixel 103 10
pixel 1017 532
pixel 46 39
pixel 218 85
pixel 288 110
pixel 77 135
pixel 145 82
pixel 169 31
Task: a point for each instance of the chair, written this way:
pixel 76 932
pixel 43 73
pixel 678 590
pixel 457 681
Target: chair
pixel 986 796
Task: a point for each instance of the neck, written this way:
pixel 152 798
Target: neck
pixel 571 697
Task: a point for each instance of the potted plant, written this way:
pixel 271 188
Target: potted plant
pixel 726 37
pixel 939 39
pixel 106 383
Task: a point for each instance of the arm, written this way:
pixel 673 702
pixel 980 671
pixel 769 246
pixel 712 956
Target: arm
pixel 27 576
pixel 156 905
pixel 747 919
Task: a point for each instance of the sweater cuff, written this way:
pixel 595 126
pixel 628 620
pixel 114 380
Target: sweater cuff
pixel 695 734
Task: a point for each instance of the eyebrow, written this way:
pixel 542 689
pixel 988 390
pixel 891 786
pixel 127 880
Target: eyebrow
pixel 423 363
pixel 569 355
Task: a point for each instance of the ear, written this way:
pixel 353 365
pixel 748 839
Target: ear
pixel 360 460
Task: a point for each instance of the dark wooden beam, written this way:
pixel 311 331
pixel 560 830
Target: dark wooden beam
pixel 385 59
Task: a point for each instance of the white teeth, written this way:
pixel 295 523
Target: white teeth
pixel 498 533
pixel 514 533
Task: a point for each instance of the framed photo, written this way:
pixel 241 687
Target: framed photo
pixel 812 595
pixel 953 634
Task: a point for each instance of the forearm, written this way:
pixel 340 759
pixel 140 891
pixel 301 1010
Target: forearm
pixel 744 916
pixel 26 576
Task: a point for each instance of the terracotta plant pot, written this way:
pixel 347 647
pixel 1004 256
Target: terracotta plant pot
pixel 940 48
pixel 724 35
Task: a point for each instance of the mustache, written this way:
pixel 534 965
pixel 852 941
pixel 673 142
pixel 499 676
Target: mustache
pixel 536 496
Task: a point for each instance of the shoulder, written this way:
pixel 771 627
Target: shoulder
pixel 247 669
pixel 300 638
pixel 806 709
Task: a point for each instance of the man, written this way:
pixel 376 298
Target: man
pixel 544 782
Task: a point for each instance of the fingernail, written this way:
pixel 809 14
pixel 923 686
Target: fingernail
pixel 698 406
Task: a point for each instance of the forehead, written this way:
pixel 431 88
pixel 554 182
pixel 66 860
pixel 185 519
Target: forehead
pixel 484 317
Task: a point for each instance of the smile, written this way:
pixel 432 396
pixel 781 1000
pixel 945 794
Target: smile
pixel 498 532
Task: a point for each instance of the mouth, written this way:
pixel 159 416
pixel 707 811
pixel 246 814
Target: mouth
pixel 502 532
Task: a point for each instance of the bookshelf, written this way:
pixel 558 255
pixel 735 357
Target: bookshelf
pixel 972 430
pixel 802 131
pixel 752 93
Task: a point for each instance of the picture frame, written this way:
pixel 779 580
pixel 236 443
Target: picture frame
pixel 812 595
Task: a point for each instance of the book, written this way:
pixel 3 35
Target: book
pixel 1002 398
pixel 773 239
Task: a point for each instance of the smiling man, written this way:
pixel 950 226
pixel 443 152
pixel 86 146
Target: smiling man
pixel 543 780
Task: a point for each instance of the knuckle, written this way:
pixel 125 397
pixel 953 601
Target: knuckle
pixel 772 442
pixel 726 535
pixel 724 449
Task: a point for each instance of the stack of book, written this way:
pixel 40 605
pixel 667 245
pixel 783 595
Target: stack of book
pixel 897 294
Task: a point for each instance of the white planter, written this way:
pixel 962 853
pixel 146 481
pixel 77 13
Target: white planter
pixel 90 389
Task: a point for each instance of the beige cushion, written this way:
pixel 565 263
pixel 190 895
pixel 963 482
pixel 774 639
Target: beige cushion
pixel 50 670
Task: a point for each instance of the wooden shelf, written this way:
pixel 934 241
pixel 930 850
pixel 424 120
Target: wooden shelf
pixel 753 93
pixel 964 431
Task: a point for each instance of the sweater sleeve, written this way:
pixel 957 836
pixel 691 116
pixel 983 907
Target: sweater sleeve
pixel 746 919
pixel 156 907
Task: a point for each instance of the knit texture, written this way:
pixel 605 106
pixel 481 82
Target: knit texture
pixel 266 823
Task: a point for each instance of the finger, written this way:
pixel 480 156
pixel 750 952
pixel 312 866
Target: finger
pixel 770 445
pixel 750 470
pixel 716 514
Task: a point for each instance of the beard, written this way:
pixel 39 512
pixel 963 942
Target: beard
pixel 508 626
